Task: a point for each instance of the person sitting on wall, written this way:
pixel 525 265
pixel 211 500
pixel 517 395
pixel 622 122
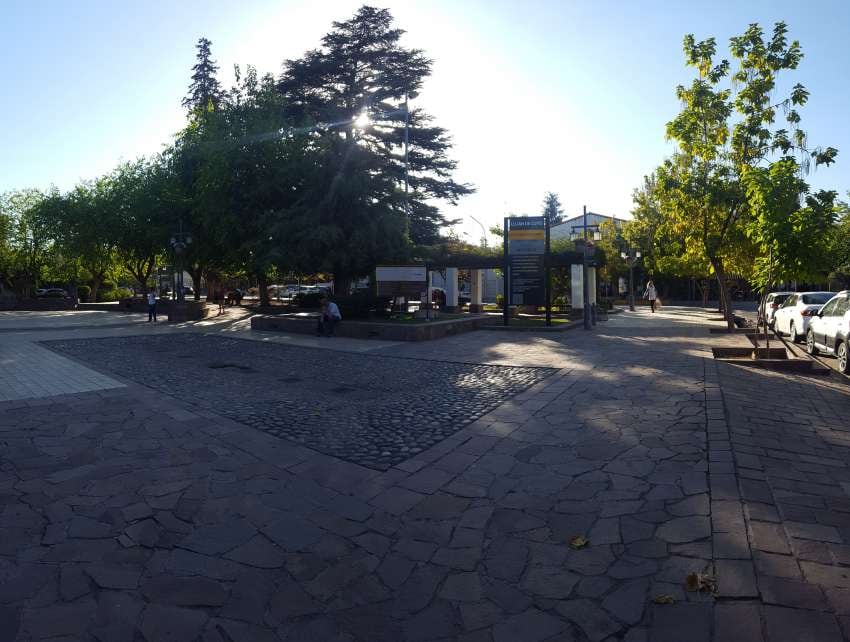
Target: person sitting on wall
pixel 328 319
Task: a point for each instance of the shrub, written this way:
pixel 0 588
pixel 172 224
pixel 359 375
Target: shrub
pixel 83 291
pixel 107 286
pixel 308 300
pixel 116 294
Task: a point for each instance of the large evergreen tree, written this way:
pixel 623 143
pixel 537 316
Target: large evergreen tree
pixel 552 208
pixel 355 87
pixel 205 90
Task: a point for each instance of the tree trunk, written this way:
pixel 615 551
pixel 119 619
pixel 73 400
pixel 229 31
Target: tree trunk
pixel 723 292
pixel 342 284
pixel 197 272
pixel 263 287
pixel 96 280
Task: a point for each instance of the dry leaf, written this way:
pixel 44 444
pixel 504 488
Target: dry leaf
pixel 696 582
pixel 578 542
pixel 664 599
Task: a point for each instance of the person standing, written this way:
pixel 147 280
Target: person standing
pixel 152 305
pixel 652 294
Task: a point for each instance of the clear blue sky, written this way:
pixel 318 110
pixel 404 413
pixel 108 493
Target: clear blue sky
pixel 569 96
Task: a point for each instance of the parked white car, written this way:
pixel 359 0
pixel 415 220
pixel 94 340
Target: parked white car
pixel 771 305
pixel 829 331
pixel 793 316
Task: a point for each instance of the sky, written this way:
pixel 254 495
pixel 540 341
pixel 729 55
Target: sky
pixel 569 96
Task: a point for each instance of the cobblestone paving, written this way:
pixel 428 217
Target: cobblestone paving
pixel 130 515
pixel 376 411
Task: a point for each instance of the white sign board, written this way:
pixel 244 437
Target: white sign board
pixel 412 273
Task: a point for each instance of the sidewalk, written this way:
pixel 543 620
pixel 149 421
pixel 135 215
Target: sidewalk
pixel 129 511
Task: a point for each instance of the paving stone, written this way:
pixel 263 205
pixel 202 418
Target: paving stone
pixel 419 589
pixel 769 537
pixel 824 575
pixel 684 529
pixel 395 569
pixel 739 621
pixel 839 600
pixel 69 620
pixel 172 623
pixel 249 596
pixel 813 531
pixel 478 615
pixel 693 505
pixel 117 616
pixel 792 593
pixel 507 596
pixel 462 587
pixel 73 583
pixel 435 622
pixel 146 533
pixel 735 578
pixel 627 602
pixel 114 577
pixel 184 591
pixel 532 625
pixel 605 531
pixel 10 622
pixel 549 581
pixel 593 586
pixel 238 631
pixel 220 538
pixel 460 558
pixel 795 625
pixel 290 601
pixel 427 481
pixel 669 621
pixel 592 560
pixel 595 623
pixel 87 528
pixel 777 565
pixel 731 546
pixel 258 552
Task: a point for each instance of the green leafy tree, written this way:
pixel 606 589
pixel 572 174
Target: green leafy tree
pixel 722 133
pixel 552 208
pixel 356 86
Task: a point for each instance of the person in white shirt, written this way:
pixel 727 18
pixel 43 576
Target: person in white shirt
pixel 329 318
pixel 151 305
pixel 651 294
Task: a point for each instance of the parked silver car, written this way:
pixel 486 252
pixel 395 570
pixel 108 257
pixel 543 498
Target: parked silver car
pixel 829 331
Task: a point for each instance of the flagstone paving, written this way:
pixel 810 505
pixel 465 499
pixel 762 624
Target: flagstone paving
pixel 135 514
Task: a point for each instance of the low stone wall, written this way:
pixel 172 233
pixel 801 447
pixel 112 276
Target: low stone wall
pixel 371 329
pixel 46 304
pixel 188 311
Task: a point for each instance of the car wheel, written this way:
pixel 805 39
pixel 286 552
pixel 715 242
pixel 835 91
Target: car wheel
pixel 792 332
pixel 810 343
pixel 843 359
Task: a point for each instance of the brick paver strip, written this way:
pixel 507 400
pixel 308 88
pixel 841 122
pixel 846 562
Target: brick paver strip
pixel 146 512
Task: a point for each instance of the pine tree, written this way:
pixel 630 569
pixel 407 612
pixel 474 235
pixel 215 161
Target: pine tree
pixel 362 69
pixel 552 208
pixel 204 91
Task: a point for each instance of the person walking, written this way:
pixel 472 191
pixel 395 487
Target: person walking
pixel 151 305
pixel 329 318
pixel 652 294
pixel 221 299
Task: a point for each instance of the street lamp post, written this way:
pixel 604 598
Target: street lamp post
pixel 631 256
pixel 483 231
pixel 179 242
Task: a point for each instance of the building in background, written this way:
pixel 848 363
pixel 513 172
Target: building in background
pixel 573 228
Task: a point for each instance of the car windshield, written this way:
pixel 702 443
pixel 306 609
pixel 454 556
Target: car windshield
pixel 817 298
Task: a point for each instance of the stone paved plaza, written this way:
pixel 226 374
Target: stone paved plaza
pixel 372 410
pixel 142 512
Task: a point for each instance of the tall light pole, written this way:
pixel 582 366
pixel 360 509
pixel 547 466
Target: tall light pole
pixel 631 256
pixel 483 231
pixel 584 275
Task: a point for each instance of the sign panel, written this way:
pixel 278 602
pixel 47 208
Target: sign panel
pixel 413 273
pixel 526 260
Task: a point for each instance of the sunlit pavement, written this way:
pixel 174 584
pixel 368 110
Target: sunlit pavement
pixel 129 513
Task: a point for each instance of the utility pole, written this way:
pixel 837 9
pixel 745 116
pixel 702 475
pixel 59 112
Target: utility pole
pixel 631 256
pixel 584 275
pixel 406 159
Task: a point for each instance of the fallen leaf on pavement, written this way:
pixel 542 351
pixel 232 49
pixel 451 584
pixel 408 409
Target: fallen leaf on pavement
pixel 664 599
pixel 578 542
